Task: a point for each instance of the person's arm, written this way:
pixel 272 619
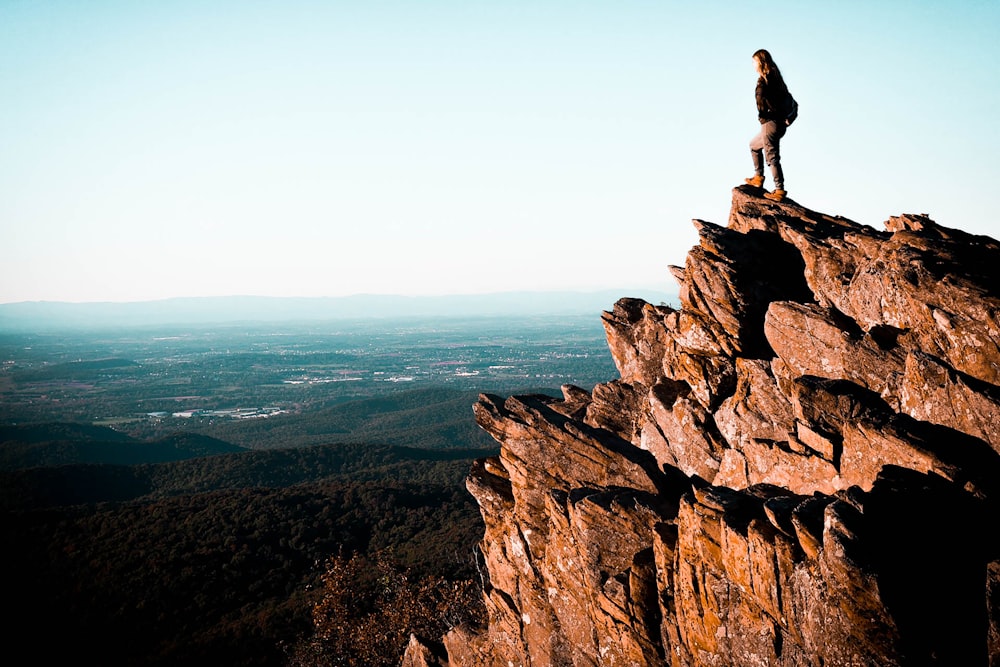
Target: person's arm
pixel 761 101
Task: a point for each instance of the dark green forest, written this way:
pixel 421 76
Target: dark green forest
pixel 221 558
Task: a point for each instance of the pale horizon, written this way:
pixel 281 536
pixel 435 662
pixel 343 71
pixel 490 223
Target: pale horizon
pixel 301 149
pixel 635 291
pixel 207 310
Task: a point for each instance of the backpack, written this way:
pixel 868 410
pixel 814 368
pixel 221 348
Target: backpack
pixel 793 110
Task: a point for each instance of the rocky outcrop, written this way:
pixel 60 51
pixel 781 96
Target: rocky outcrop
pixel 797 467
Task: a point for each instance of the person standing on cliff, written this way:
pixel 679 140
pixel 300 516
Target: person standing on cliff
pixel 776 109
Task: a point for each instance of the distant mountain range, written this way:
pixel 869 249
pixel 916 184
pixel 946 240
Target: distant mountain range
pixel 48 315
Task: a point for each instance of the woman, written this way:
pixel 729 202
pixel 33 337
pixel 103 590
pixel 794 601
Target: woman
pixel 774 104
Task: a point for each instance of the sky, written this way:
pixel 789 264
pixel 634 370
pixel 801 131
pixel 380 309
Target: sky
pixel 151 150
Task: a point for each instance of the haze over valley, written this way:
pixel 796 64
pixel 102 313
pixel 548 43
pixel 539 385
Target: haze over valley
pixel 151 379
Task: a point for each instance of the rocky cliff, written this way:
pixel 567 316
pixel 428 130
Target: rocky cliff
pixel 800 466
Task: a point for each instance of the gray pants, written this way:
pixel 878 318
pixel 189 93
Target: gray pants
pixel 766 145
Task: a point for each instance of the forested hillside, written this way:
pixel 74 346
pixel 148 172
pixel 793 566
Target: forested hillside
pixel 221 559
pixel 186 548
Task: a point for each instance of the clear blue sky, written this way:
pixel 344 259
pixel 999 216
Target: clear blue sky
pixel 161 149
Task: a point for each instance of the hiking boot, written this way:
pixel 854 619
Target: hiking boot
pixel 757 181
pixel 777 195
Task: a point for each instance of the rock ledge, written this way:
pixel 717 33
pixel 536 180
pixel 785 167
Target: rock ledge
pixel 797 467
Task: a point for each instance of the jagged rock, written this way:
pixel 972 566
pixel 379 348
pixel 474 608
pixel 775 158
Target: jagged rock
pixel 421 654
pixel 932 391
pixel 679 432
pixel 800 466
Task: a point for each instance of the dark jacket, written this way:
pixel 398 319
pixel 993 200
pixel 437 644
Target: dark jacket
pixel 773 99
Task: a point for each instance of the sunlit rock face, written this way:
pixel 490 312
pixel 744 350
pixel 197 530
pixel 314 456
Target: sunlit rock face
pixel 799 466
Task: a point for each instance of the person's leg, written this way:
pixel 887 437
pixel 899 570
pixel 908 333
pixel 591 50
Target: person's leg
pixel 756 152
pixel 771 134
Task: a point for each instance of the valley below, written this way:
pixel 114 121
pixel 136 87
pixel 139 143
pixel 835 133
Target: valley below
pixel 193 493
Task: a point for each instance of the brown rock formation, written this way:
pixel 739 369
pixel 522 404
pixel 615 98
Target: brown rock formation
pixel 798 467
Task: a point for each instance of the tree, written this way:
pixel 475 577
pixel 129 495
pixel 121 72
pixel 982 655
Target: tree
pixel 370 606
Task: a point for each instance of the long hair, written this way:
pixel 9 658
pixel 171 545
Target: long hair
pixel 767 67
